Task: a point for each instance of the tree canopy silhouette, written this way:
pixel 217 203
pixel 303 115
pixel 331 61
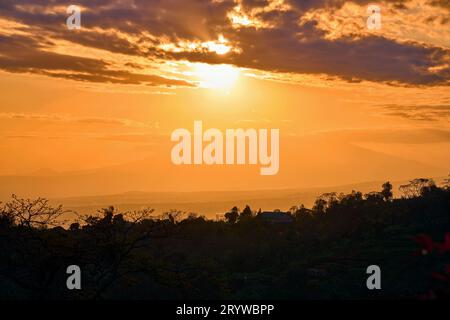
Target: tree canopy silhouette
pixel 321 253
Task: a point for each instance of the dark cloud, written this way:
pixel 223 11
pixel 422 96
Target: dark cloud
pixel 305 5
pixel 288 47
pixel 189 19
pixel 22 54
pixel 370 58
pixel 440 3
pixel 302 49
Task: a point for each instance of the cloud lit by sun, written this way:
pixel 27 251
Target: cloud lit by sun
pixel 221 46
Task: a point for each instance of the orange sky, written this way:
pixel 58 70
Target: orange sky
pixel 351 104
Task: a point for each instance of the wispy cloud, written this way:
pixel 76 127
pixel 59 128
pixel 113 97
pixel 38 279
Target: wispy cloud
pixel 73 119
pixel 388 135
pixel 418 112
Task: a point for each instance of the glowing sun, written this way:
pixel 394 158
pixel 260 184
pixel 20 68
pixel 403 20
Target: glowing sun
pixel 216 76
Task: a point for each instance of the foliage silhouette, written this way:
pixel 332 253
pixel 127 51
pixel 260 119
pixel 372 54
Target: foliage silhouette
pixel 322 254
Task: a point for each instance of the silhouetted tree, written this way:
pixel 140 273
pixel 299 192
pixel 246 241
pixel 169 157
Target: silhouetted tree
pixel 74 226
pixel 111 252
pixel 320 206
pixel 415 187
pixel 132 255
pixel 446 182
pixel 325 201
pixel 292 210
pixel 246 214
pixel 232 215
pixel 32 213
pixel 375 197
pixel 302 213
pixel 173 215
pixel 386 191
pixel 348 200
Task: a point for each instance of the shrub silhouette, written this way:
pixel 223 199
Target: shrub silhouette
pixel 232 216
pixel 322 254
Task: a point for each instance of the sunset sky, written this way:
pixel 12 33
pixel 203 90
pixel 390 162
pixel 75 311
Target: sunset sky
pixel 352 104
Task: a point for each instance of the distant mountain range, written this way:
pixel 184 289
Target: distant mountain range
pixel 214 202
pixel 304 163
